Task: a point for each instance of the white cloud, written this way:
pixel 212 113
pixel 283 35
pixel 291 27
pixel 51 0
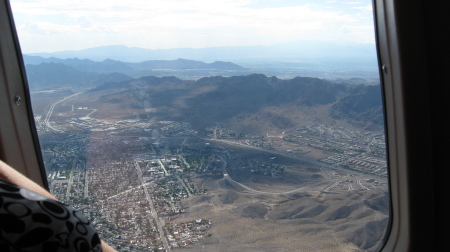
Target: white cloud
pixel 364 8
pixel 179 23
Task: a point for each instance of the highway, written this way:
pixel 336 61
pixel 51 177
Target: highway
pixel 52 107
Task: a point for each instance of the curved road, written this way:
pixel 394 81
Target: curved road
pixel 52 107
pixel 227 177
pixel 303 159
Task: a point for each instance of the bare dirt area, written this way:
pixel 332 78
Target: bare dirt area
pixel 301 221
pixel 274 120
pixel 306 208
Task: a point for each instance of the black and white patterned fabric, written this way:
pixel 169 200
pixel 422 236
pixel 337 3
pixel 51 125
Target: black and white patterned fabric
pixel 32 222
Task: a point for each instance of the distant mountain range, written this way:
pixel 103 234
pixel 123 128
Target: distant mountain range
pixel 323 59
pixel 193 69
pixel 151 67
pixel 47 76
pixel 279 52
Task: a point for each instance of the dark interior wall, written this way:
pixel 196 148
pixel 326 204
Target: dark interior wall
pixel 437 38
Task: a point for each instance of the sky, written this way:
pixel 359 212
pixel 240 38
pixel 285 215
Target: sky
pixel 58 25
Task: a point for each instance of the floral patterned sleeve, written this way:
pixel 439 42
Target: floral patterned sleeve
pixel 32 222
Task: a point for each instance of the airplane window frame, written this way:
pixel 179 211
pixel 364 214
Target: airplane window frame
pixel 400 34
pixel 19 145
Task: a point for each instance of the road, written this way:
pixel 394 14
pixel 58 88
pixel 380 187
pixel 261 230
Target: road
pixel 360 184
pixel 303 159
pixel 226 176
pixel 52 107
pixel 179 180
pixel 86 184
pixel 327 173
pixel 163 167
pixel 127 191
pixel 184 161
pixel 332 186
pixel 93 111
pixel 152 206
pixel 215 131
pixel 372 142
pixel 70 181
pixel 182 144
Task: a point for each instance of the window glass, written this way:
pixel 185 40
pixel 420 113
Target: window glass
pixel 212 125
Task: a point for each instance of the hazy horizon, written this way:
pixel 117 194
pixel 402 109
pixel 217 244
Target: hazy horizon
pixel 337 42
pixel 300 51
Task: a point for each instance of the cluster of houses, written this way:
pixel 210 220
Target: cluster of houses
pixel 265 168
pixel 172 128
pixel 378 168
pixel 186 233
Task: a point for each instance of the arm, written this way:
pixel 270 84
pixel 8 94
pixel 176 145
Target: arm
pixel 107 248
pixel 9 174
